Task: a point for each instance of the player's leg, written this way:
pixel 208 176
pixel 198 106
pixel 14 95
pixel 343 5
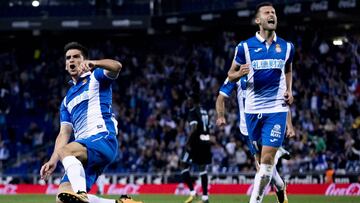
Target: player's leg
pixel 204 183
pixel 280 186
pixel 254 126
pixel 272 136
pixel 65 187
pixel 100 183
pixel 72 156
pixel 276 179
pixel 264 175
pixel 185 174
pixel 100 152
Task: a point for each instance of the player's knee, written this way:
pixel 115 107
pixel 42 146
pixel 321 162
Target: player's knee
pixel 64 152
pixel 267 159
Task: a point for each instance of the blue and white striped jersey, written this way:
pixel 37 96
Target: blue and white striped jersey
pixel 87 105
pixel 226 90
pixel 266 84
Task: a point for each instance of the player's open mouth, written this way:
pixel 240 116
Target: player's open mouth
pixel 72 66
pixel 271 22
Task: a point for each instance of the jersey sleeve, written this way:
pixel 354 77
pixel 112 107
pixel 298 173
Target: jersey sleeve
pixel 101 76
pixel 227 88
pixel 292 53
pixel 65 117
pixel 239 57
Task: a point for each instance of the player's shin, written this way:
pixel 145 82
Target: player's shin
pixel 262 179
pixel 75 172
pixel 187 179
pixel 280 187
pixel 204 184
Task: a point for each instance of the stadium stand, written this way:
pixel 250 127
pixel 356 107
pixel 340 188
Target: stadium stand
pixel 149 97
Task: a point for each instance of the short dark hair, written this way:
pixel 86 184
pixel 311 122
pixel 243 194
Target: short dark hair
pixel 78 46
pixel 262 4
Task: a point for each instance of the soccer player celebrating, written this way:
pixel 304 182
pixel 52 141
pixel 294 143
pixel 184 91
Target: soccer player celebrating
pixel 197 148
pixel 85 111
pixel 267 59
pixel 225 92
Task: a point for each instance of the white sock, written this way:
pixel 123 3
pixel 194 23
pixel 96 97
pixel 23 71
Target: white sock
pixel 277 180
pixel 75 172
pixel 96 199
pixel 204 197
pixel 261 181
pixel 278 154
pixel 192 193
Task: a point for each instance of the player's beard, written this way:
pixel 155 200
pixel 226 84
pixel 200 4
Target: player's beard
pixel 269 27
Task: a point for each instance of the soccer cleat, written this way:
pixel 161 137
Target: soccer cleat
pixel 203 201
pixel 284 153
pixel 189 199
pixel 282 196
pixel 126 199
pixel 71 197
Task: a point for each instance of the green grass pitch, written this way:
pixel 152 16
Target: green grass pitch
pixel 180 199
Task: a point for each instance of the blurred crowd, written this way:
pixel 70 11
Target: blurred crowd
pixel 149 101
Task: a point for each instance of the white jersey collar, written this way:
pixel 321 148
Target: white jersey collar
pixel 261 39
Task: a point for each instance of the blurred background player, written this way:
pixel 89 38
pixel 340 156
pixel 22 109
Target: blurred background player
pixel 95 145
pixel 267 59
pixel 197 148
pixel 225 92
pixel 100 183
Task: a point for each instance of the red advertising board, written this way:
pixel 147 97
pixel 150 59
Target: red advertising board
pixel 179 189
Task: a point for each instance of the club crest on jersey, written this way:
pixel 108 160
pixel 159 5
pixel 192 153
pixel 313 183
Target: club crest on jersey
pixel 277 48
pixel 84 81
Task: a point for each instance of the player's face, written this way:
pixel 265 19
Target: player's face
pixel 73 59
pixel 266 18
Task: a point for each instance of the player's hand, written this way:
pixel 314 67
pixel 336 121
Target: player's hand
pixel 221 121
pixel 289 99
pixel 244 70
pixel 236 73
pixel 86 66
pixel 47 169
pixel 290 131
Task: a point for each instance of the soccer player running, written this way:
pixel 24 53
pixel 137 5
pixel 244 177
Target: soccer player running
pixel 225 92
pixel 197 148
pixel 85 111
pixel 267 60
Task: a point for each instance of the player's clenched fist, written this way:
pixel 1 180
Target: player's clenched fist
pixel 86 66
pixel 236 72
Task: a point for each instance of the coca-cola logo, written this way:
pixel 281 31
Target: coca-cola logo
pixel 127 189
pixel 350 190
pixel 8 189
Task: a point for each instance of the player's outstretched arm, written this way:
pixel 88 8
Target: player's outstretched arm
pixel 220 110
pixel 112 67
pixel 61 140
